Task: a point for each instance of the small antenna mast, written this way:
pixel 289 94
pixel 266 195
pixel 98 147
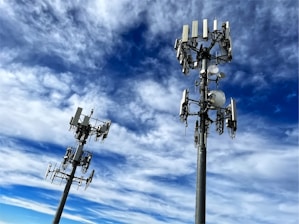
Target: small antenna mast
pixel 77 157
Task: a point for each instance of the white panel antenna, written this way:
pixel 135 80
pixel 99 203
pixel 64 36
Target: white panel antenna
pixel 228 38
pixel 185 34
pixel 85 121
pixel 233 109
pixel 205 30
pixel 230 53
pixel 194 28
pixel 227 30
pixel 215 25
pixel 231 120
pixel 176 44
pixel 74 121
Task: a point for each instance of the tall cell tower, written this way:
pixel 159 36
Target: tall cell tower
pixel 77 157
pixel 205 52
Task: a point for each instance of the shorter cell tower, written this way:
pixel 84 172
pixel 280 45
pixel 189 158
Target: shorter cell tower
pixel 77 157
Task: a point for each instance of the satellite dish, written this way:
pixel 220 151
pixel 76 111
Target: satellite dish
pixel 216 99
pixel 213 69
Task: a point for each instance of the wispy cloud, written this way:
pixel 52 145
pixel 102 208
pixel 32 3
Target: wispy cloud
pixel 117 58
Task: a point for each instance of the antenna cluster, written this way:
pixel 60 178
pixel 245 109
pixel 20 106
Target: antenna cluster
pixel 205 52
pixel 191 56
pixel 84 129
pixel 84 126
pixel 59 173
pixel 188 52
pixel 215 101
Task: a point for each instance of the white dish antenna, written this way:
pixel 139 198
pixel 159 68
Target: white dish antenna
pixel 213 69
pixel 216 98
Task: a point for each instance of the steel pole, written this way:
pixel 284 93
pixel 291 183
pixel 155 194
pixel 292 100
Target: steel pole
pixel 65 194
pixel 200 208
pixel 77 158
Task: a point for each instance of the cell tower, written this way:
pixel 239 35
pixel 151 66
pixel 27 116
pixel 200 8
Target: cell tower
pixel 205 57
pixel 77 157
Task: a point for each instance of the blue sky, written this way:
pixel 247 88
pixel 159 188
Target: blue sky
pixel 117 58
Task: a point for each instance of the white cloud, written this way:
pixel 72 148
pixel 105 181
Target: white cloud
pixel 158 96
pixel 39 207
pixel 39 103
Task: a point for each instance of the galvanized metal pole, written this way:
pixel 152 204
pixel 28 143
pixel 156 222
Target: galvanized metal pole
pixel 200 208
pixel 67 188
pixel 65 194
